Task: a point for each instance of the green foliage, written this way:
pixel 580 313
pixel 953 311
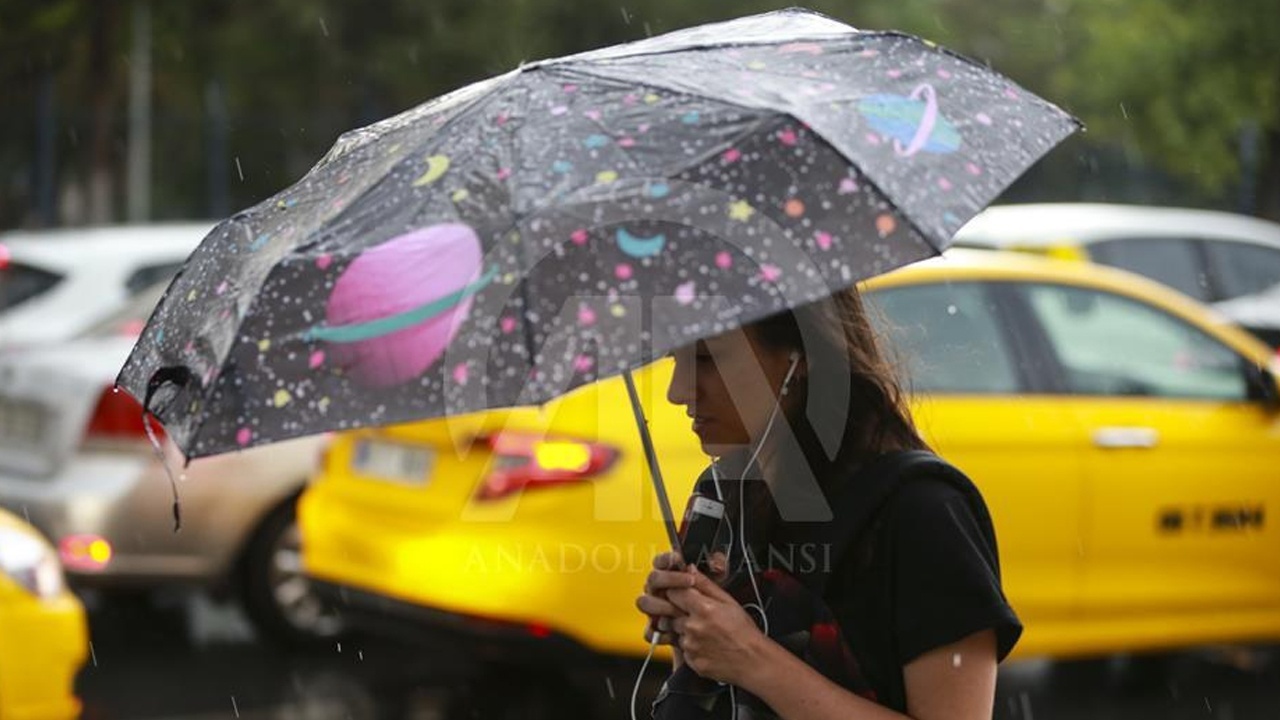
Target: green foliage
pixel 1164 83
pixel 1178 78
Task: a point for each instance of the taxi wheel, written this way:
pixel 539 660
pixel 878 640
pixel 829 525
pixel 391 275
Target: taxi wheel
pixel 278 598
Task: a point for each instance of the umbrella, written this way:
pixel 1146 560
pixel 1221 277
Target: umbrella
pixel 576 218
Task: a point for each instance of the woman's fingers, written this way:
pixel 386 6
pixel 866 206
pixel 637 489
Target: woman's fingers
pixel 708 586
pixel 719 566
pixel 662 580
pixel 690 601
pixel 656 607
pixel 668 561
pixel 680 625
pixel 663 638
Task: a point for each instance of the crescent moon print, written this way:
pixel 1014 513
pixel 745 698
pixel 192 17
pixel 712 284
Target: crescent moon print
pixel 637 247
pixel 437 166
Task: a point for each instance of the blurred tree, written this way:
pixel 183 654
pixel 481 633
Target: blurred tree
pixel 61 50
pixel 248 94
pixel 1181 80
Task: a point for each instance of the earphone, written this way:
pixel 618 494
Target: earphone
pixel 796 356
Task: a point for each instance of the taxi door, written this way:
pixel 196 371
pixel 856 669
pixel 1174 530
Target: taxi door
pixel 980 404
pixel 1181 516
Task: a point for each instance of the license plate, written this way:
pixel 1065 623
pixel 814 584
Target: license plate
pixel 21 423
pixel 393 461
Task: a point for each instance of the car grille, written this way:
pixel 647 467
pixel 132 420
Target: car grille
pixel 22 423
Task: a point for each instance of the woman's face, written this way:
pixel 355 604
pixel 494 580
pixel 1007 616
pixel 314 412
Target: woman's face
pixel 728 385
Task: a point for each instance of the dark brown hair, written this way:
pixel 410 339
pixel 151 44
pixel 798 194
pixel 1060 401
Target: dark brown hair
pixel 853 404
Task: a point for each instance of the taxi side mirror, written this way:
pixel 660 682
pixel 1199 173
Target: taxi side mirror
pixel 1263 386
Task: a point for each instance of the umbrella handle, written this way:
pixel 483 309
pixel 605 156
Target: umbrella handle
pixel 651 459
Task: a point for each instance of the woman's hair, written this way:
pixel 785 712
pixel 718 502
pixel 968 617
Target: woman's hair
pixel 853 404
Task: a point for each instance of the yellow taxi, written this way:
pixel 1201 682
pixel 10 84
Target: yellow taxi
pixel 1126 439
pixel 43 634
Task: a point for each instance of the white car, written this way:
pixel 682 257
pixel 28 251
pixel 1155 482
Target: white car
pixel 56 283
pixel 1229 261
pixel 76 462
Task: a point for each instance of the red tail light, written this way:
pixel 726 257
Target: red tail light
pixel 529 461
pixel 85 553
pixel 118 417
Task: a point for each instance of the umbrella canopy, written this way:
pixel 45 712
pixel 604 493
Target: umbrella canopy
pixel 575 218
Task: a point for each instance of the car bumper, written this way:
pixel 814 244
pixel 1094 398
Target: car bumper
pixel 43 644
pixel 122 495
pixel 545 578
pixel 110 495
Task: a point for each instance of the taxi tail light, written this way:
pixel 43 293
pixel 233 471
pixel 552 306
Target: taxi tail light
pixel 85 553
pixel 117 416
pixel 522 461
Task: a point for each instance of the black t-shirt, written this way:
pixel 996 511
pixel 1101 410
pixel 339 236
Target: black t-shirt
pixel 923 573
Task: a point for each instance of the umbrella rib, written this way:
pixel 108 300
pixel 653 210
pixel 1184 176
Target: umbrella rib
pixel 525 263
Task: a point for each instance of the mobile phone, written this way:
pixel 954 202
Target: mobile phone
pixel 699 529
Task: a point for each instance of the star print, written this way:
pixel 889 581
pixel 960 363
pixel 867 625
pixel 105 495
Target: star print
pixel 741 210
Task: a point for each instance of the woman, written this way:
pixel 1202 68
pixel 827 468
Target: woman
pixel 917 597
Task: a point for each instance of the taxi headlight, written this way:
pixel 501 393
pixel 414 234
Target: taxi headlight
pixel 31 563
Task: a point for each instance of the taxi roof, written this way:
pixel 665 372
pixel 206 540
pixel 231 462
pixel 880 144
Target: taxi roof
pixel 966 264
pixel 1041 224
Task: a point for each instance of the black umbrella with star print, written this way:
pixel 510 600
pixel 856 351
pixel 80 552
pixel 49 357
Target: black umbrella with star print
pixel 576 218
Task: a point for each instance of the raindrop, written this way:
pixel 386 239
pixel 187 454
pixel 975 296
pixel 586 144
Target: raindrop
pixel 323 27
pixel 1026 705
pixel 952 310
pixel 239 170
pixel 235 708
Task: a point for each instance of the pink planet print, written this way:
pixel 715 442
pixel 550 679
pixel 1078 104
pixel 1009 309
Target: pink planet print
pixel 397 306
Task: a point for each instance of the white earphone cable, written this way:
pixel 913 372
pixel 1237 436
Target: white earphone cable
pixel 758 605
pixel 635 691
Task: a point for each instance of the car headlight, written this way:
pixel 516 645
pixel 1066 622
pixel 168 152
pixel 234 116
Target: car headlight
pixel 31 563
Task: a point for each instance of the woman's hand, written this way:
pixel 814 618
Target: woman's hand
pixel 668 572
pixel 716 636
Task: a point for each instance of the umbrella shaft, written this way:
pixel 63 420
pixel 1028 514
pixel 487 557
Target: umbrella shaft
pixel 651 458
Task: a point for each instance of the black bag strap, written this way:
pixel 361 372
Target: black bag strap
pixel 863 496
